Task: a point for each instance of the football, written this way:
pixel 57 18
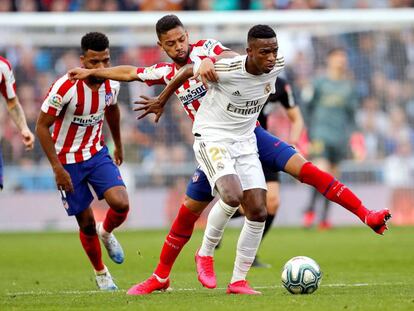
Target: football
pixel 301 275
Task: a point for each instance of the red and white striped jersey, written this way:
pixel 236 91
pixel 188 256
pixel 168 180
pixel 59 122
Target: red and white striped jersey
pixel 191 92
pixel 7 82
pixel 80 114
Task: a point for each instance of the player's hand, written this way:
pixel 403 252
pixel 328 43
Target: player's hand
pixel 63 180
pixel 118 156
pixel 206 72
pixel 150 105
pixel 28 138
pixel 78 74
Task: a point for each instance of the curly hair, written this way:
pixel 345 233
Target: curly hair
pixel 95 41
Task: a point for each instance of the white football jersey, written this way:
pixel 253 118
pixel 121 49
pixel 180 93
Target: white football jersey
pixel 230 108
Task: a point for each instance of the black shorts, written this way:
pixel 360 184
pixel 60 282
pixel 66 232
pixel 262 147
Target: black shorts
pixel 334 153
pixel 270 175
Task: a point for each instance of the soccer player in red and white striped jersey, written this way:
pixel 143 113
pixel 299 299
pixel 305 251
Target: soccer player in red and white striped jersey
pixel 8 91
pixel 78 155
pixel 181 53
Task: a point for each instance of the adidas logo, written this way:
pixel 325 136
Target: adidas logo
pixel 236 93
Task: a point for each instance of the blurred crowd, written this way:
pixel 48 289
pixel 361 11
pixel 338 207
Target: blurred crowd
pixel 176 5
pixel 381 63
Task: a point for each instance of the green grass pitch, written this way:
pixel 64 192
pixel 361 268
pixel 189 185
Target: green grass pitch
pixel 361 271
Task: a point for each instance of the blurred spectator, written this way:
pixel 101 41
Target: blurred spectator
pixel 166 5
pixel 397 128
pixel 92 5
pixel 176 5
pixel 111 6
pixel 397 57
pixel 27 5
pixel 6 6
pixel 373 123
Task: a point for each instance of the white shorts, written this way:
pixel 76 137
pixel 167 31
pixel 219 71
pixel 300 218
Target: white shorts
pixel 218 159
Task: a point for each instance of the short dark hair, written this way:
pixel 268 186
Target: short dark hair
pixel 260 32
pixel 95 41
pixel 167 23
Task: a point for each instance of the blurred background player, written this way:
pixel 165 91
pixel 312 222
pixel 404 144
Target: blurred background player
pixel 78 155
pixel 283 96
pixel 8 91
pixel 331 121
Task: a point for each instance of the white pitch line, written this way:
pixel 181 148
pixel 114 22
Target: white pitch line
pixel 75 292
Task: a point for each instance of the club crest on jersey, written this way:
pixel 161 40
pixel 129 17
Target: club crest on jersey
pixel 56 100
pixel 208 45
pixel 220 166
pixel 109 98
pixel 268 88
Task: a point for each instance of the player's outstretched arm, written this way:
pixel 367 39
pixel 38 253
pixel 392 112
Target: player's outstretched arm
pixel 44 122
pixel 156 105
pixel 118 73
pixel 17 114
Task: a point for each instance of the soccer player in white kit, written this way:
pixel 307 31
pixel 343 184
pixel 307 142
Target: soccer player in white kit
pixel 225 145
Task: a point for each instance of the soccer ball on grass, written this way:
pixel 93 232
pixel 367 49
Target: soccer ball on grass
pixel 301 275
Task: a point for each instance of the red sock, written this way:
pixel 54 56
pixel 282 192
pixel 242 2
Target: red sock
pixel 114 219
pixel 92 248
pixel 332 189
pixel 180 232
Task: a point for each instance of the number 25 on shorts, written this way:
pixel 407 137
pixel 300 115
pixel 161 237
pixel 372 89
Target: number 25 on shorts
pixel 217 153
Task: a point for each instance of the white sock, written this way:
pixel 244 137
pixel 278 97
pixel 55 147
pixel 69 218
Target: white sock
pixel 161 280
pixel 105 270
pixel 102 232
pixel 216 222
pixel 247 246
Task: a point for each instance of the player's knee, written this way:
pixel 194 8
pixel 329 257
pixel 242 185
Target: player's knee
pixel 272 204
pixel 194 206
pixel 121 205
pixel 88 228
pixel 258 214
pixel 232 198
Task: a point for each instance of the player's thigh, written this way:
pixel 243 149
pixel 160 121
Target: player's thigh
pixel 117 198
pixel 80 199
pixel 273 152
pixel 198 193
pixel 254 204
pixel 272 197
pixel 104 175
pixel 219 167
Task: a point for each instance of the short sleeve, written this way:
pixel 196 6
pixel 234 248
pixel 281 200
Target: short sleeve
pixel 115 86
pixel 209 47
pixel 7 81
pixel 58 96
pixel 156 74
